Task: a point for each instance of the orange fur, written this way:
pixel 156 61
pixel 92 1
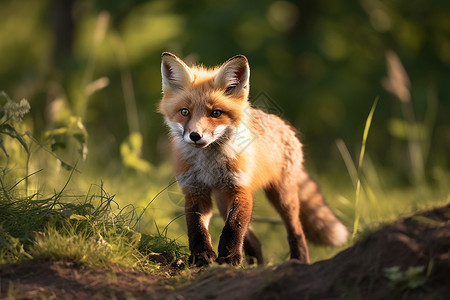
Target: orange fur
pixel 223 146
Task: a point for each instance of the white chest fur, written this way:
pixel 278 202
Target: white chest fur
pixel 212 167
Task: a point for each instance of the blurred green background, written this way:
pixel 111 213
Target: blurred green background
pixel 92 68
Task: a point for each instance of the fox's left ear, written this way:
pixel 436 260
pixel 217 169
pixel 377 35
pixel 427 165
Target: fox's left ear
pixel 233 76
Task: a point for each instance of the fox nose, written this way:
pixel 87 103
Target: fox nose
pixel 194 136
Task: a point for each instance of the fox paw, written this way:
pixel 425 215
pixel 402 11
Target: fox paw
pixel 202 258
pixel 234 260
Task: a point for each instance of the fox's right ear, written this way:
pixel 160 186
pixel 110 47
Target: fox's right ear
pixel 175 73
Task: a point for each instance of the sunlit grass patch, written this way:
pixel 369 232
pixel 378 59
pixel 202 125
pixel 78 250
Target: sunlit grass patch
pixel 71 245
pixel 91 230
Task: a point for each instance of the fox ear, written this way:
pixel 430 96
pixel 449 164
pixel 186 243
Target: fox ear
pixel 175 73
pixel 234 76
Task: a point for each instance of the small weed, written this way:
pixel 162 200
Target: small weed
pixel 11 249
pixel 159 244
pixel 410 279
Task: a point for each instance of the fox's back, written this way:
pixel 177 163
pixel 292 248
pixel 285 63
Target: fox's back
pixel 275 148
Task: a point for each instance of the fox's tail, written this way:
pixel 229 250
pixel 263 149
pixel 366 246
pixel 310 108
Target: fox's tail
pixel 320 224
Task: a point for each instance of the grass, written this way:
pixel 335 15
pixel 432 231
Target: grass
pixel 360 162
pixel 93 231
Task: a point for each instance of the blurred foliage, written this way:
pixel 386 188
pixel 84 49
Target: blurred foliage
pixel 11 113
pixel 131 152
pixel 322 62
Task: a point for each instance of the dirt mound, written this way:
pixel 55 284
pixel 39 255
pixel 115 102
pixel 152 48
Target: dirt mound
pixel 65 280
pixel 420 244
pixel 409 259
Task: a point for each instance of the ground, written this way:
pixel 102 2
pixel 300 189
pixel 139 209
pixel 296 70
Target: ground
pixel 409 259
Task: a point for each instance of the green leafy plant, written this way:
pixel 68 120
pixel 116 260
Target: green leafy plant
pixel 72 130
pixel 412 278
pixel 11 249
pixel 11 116
pixel 130 151
pixel 11 113
pixel 11 127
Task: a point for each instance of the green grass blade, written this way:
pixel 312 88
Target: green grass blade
pixel 366 133
pixel 348 161
pixel 361 158
pixel 151 201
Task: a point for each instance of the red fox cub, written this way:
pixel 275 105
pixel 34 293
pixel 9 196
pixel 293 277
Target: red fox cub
pixel 209 115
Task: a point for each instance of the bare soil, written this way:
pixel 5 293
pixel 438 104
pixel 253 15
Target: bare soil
pixel 359 272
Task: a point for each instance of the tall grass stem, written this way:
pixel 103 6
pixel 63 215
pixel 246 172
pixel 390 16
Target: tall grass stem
pixel 360 162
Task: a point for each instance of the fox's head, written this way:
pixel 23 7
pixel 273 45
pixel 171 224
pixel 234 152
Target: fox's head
pixel 203 106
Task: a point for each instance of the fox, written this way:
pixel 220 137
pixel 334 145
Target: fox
pixel 209 115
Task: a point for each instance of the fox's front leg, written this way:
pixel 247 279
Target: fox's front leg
pixel 198 210
pixel 240 204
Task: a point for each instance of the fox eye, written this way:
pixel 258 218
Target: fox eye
pixel 184 112
pixel 216 113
